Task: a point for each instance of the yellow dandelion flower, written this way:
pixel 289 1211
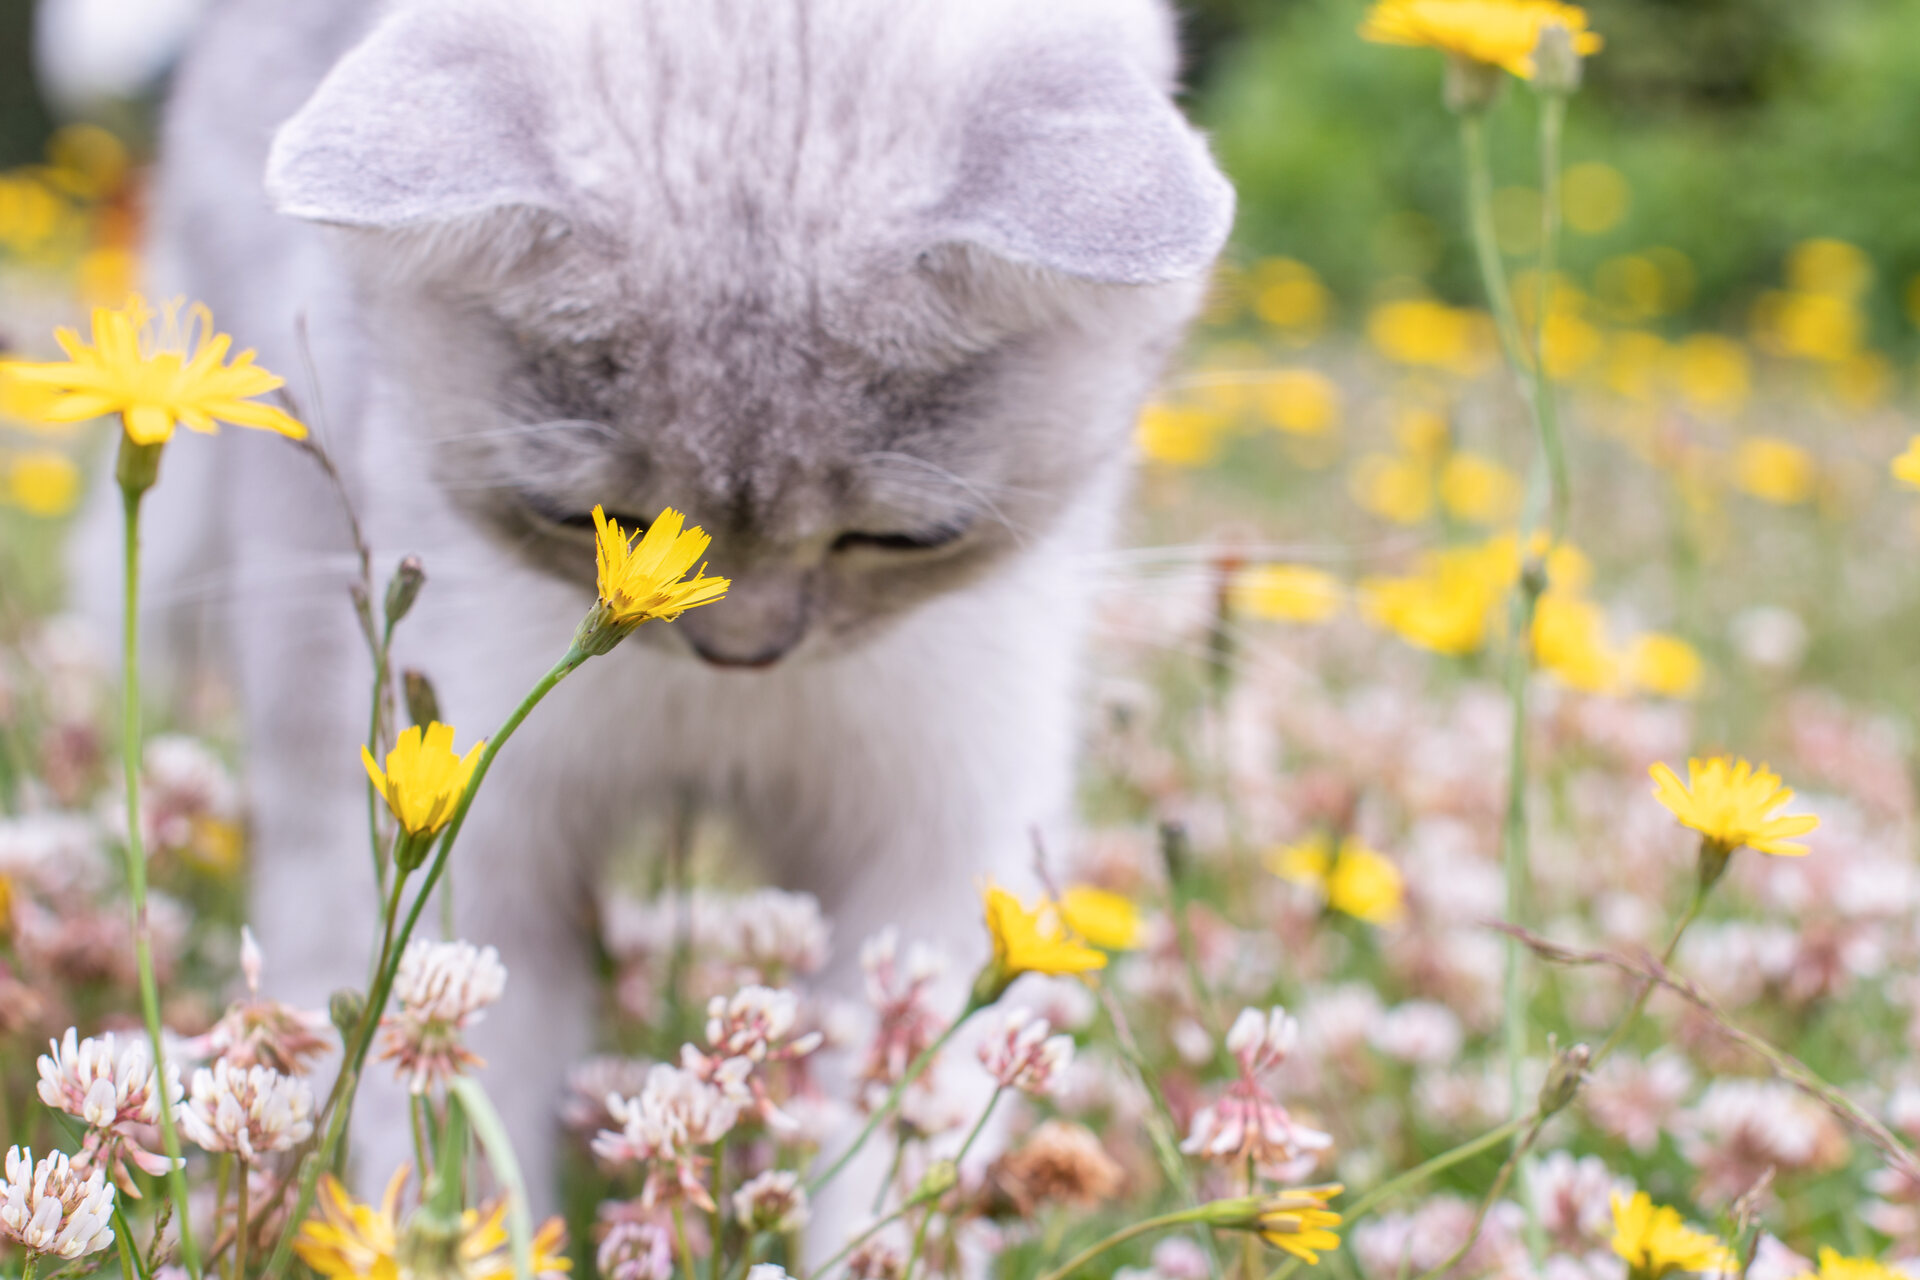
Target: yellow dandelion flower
pixel 1654 1242
pixel 1290 296
pixel 1732 804
pixel 1393 488
pixel 1286 593
pixel 1180 435
pixel 1833 1266
pixel 1298 1222
pixel 43 483
pixel 424 779
pixel 1301 402
pixel 348 1240
pixel 1570 641
pixel 1774 470
pixel 1358 881
pixel 484 1252
pixel 647 579
pixel 1498 33
pixel 1030 940
pixel 1101 918
pixel 1477 489
pixel 1906 467
pixel 1714 374
pixel 1665 665
pixel 155 379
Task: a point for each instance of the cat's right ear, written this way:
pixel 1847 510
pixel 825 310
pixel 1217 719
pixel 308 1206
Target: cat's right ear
pixel 428 124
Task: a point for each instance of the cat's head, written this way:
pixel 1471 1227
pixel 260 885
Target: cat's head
pixel 871 290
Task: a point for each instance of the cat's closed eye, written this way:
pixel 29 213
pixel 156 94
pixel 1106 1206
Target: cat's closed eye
pixel 929 539
pixel 552 513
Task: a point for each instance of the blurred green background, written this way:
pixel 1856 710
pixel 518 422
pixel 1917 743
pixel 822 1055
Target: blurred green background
pixel 1740 126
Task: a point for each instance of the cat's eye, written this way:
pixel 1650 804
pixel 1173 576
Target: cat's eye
pixel 557 514
pixel 918 540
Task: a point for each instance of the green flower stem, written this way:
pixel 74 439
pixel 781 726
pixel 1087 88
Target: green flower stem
pixel 381 655
pixel 1414 1177
pixel 872 1230
pixel 892 1102
pixel 130 1268
pixel 1146 1226
pixel 131 491
pixel 973 1135
pixel 1486 245
pixel 680 1235
pixel 28 1267
pixel 1494 1192
pixel 349 1079
pixel 1645 993
pixel 240 1228
pixel 1546 410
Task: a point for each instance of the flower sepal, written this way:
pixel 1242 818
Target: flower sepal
pixel 137 469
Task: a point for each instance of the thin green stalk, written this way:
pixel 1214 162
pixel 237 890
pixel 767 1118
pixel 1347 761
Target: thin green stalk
pixel 892 1103
pixel 137 869
pixel 1146 1226
pixel 871 1230
pixel 1553 115
pixel 240 1229
pixel 680 1235
pixel 31 1264
pixel 1494 1192
pixel 1639 1005
pixel 381 654
pixel 973 1135
pixel 129 1256
pixel 1486 245
pixel 893 1171
pixel 349 1078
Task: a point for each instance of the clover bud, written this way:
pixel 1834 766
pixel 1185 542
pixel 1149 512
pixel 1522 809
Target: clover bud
pixel 941 1177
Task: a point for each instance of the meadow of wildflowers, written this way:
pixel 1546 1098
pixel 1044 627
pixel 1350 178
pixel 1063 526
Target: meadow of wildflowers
pixel 1431 915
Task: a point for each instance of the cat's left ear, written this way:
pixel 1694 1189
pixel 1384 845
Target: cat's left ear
pixel 1078 162
pixel 429 121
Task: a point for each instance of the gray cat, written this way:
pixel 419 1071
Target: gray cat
pixel 872 289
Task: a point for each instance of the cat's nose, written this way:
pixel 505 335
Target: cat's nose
pixel 762 619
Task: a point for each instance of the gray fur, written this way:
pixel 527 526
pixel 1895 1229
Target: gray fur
pixel 802 268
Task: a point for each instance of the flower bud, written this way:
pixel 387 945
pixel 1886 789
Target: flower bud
pixel 344 1009
pixel 404 588
pixel 1471 86
pixel 138 466
pixel 1556 62
pixel 423 704
pixel 941 1177
pixel 1565 1076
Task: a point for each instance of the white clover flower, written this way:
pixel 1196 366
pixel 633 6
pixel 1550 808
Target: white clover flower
pixel 766 1271
pixel 775 933
pixel 772 1201
pixel 1025 1055
pixel 675 1115
pixel 754 1022
pixel 250 1112
pixel 51 1207
pixel 114 1091
pixel 636 1251
pixel 448 982
pixel 442 989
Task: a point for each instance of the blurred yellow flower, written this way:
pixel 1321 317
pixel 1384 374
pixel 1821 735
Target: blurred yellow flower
pixel 1100 917
pixel 1570 642
pixel 1180 435
pixel 157 379
pixel 1773 470
pixel 1813 326
pixel 1862 381
pixel 43 483
pixel 646 578
pixel 86 160
pixel 349 1240
pixel 1906 467
pixel 1713 373
pixel 29 213
pixel 1478 489
pixel 1356 881
pixel 1665 665
pixel 1444 605
pixel 1419 331
pixel 1595 197
pixel 1393 488
pixel 1833 1266
pixel 1290 296
pixel 1570 343
pixel 107 272
pixel 1297 1221
pixel 1300 401
pixel 1636 363
pixel 1731 803
pixel 1030 940
pixel 1286 593
pixel 1654 1242
pixel 1499 33
pixel 424 779
pixel 1831 267
pixel 1632 286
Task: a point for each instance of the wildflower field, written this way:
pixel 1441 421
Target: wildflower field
pixel 1497 843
